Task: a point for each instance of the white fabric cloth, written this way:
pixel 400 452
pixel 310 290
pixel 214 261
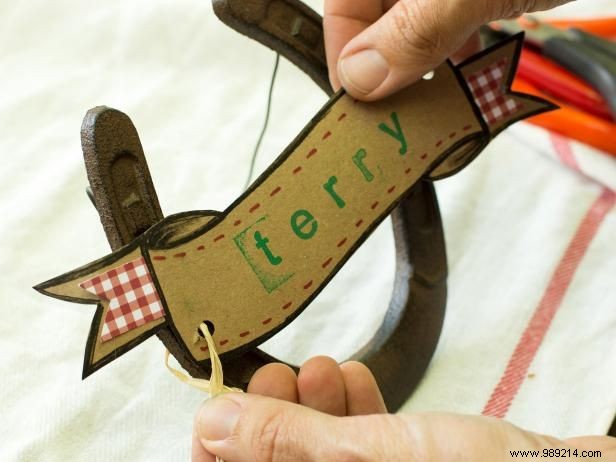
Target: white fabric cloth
pixel 196 91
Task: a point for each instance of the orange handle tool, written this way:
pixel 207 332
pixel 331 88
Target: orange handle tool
pixel 573 123
pixel 603 27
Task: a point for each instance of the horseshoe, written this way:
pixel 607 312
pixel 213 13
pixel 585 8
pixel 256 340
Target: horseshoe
pixel 125 198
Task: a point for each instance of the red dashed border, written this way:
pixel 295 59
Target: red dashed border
pixel 340 243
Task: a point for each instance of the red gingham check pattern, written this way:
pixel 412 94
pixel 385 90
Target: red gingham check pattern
pixel 133 300
pixel 488 91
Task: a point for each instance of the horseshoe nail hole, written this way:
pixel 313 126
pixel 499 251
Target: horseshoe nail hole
pixel 210 327
pixel 428 76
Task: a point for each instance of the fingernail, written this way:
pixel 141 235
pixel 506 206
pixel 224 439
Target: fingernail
pixel 365 71
pixel 218 418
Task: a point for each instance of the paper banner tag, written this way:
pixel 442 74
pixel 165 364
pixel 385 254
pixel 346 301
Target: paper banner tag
pixel 252 269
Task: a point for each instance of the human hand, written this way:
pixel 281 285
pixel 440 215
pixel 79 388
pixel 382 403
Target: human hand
pixel 336 413
pixel 322 385
pixel 377 47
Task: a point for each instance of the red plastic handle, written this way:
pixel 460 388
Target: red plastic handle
pixel 557 82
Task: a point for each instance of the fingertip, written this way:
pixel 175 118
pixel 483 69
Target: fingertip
pixel 315 372
pixel 321 387
pixel 363 72
pixel 357 369
pixel 363 395
pixel 351 369
pixel 275 380
pixel 368 77
pixel 198 453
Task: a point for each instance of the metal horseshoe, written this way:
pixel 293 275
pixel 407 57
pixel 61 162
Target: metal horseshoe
pixel 124 196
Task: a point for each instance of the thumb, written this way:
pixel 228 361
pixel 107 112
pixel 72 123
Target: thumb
pixel 412 38
pixel 246 428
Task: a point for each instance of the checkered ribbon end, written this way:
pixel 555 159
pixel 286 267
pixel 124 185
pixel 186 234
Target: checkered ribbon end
pixel 489 91
pixel 133 300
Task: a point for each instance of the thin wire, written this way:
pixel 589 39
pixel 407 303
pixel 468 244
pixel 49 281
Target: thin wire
pixel 265 122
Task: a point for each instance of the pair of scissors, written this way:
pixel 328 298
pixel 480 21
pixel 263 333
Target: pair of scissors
pixel 557 82
pixel 589 56
pixel 586 114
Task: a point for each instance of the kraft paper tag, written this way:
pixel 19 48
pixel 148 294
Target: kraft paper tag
pixel 250 270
